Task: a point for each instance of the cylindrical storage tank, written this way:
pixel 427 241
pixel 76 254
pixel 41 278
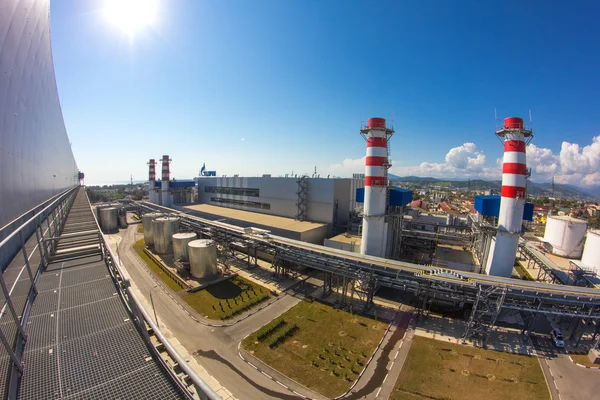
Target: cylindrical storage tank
pixel 162 231
pixel 108 219
pixel 180 245
pixel 122 212
pixel 591 251
pixel 449 219
pixel 203 258
pixel 564 236
pixel 147 222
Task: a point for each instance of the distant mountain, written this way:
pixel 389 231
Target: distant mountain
pixel 534 188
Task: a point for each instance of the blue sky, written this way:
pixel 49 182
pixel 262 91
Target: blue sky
pixel 253 87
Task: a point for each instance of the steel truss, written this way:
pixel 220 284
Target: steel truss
pixel 363 276
pixel 486 309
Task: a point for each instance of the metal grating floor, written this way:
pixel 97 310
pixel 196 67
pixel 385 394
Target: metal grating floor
pixel 82 343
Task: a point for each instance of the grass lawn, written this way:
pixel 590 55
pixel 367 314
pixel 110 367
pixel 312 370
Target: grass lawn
pixel 225 298
pixel 583 359
pixel 318 346
pixel 449 371
pixel 139 249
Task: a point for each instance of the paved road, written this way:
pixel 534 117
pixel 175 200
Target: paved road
pixel 567 381
pixel 384 362
pixel 214 348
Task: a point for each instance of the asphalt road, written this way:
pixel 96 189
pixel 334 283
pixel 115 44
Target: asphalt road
pixel 567 381
pixel 214 348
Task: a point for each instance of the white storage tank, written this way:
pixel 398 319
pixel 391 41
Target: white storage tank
pixel 591 251
pixel 180 245
pixel 203 258
pixel 162 231
pixel 147 222
pixel 108 219
pixel 564 236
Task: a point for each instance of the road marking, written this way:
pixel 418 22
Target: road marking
pixel 281 384
pixel 253 366
pixel 384 379
pixel 377 395
pixel 299 394
pixel 391 366
pixel 267 375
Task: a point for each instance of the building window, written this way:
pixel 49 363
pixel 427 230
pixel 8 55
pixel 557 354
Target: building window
pixel 234 191
pixel 243 203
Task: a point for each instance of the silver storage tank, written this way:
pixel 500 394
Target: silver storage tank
pixel 108 219
pixel 180 245
pixel 162 230
pixel 122 212
pixel 203 258
pixel 147 222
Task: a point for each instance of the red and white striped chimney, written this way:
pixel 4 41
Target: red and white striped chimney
pixel 503 248
pixel 166 198
pixel 152 180
pixel 374 230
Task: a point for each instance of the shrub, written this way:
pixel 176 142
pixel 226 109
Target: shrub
pixel 268 330
pixel 289 332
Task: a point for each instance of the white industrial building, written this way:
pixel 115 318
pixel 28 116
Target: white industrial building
pixel 323 200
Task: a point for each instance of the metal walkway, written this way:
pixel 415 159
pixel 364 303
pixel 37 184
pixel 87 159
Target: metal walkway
pixel 82 342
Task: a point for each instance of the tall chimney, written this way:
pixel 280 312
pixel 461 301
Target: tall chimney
pixel 374 230
pixel 503 248
pixel 166 198
pixel 152 181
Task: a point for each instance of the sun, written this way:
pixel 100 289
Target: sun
pixel 131 16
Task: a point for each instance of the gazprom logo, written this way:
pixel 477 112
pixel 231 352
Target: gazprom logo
pixel 204 172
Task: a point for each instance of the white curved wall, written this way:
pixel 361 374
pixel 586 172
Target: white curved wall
pixel 36 160
pixel 564 235
pixel 591 251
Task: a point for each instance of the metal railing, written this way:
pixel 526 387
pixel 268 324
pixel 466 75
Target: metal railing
pixel 203 390
pixel 53 213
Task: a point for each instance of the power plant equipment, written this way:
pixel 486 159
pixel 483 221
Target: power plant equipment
pixel 375 229
pixel 147 222
pixel 203 258
pixel 503 247
pixel 152 194
pixel 591 251
pixel 564 236
pixel 180 245
pixel 162 232
pixel 122 215
pixel 166 195
pixel 108 219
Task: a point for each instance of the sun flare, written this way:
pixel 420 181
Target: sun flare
pixel 131 16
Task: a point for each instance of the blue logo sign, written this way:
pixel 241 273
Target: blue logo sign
pixel 204 172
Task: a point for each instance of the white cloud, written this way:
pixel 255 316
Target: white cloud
pixel 462 161
pixel 574 164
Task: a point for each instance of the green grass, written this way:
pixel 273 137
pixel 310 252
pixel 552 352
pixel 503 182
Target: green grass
pixel 523 273
pixel 227 298
pixel 223 300
pixel 583 359
pixel 338 344
pixel 450 371
pixel 139 249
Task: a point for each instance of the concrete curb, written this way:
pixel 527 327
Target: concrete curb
pixel 299 384
pixel 371 358
pixel 240 350
pixel 583 366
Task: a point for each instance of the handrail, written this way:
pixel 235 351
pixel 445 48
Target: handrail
pixel 201 386
pixel 32 219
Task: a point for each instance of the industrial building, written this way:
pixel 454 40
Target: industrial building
pixel 321 200
pixel 311 232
